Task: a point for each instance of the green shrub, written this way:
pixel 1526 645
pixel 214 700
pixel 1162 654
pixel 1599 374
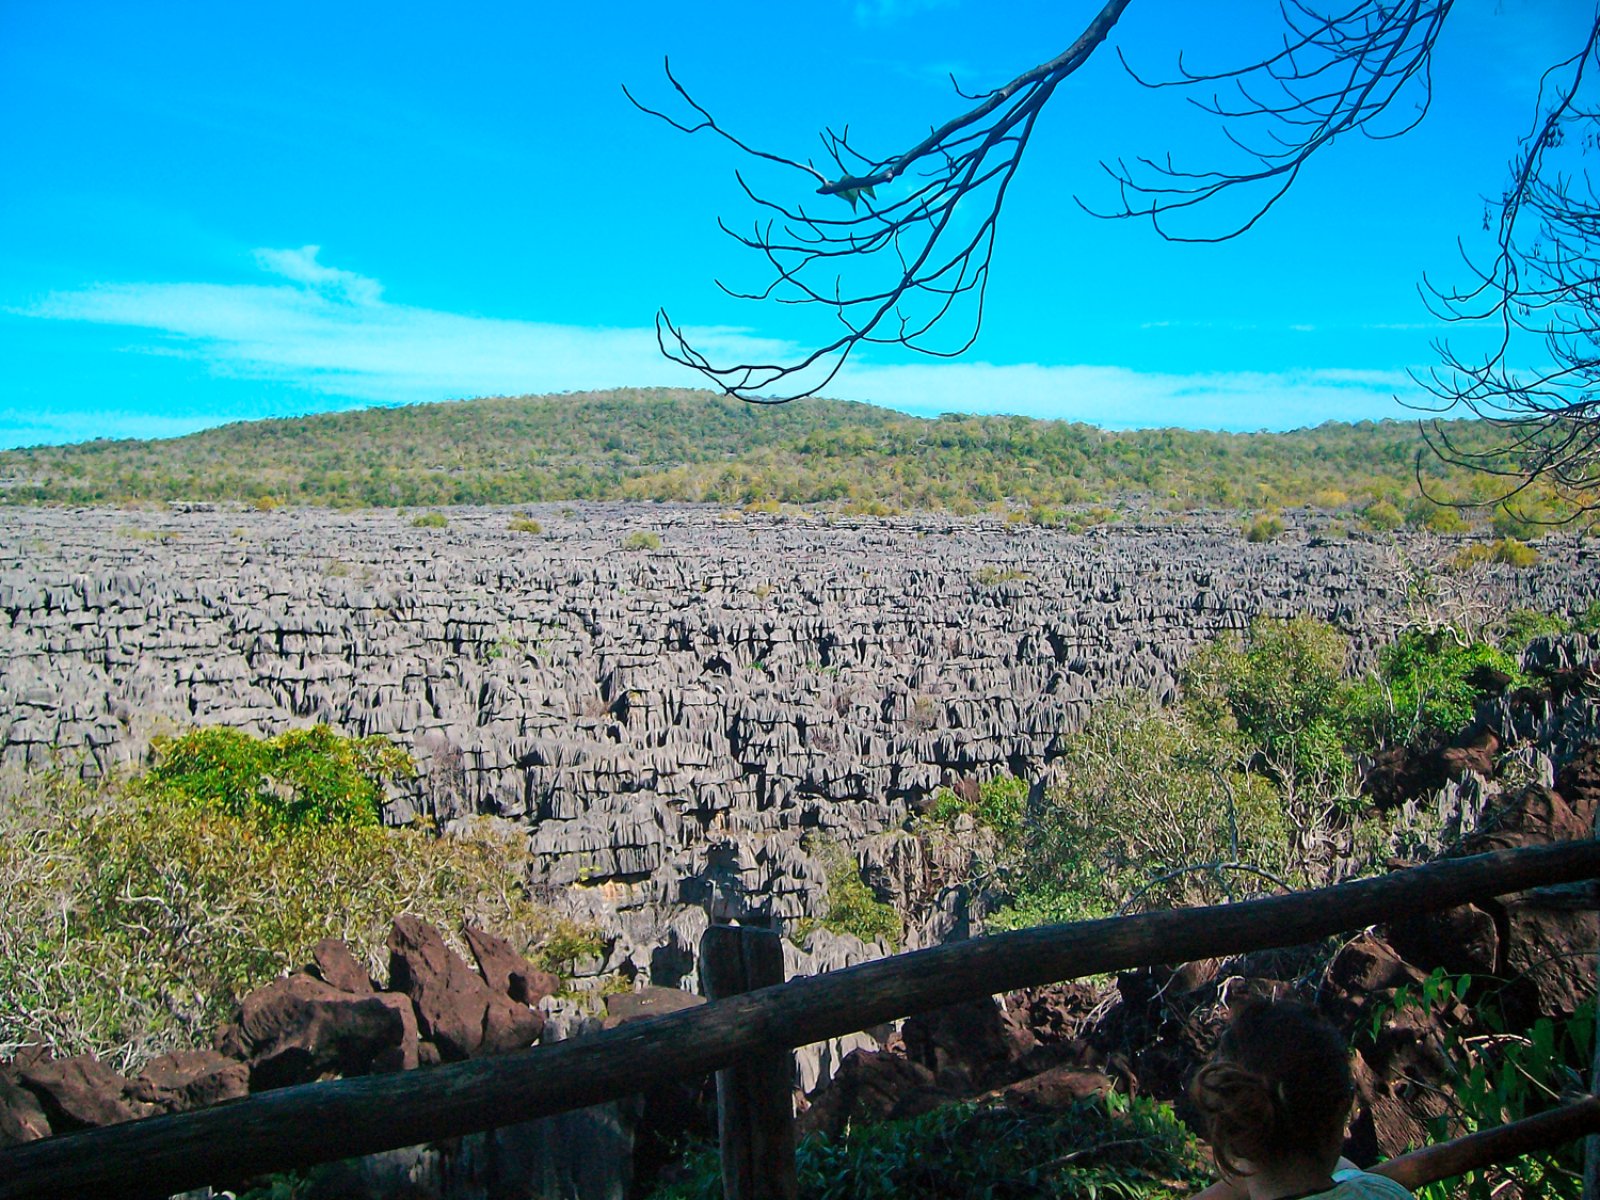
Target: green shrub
pixel 431 520
pixel 852 906
pixel 1144 792
pixel 642 539
pixel 1513 553
pixel 1381 514
pixel 137 914
pixel 1427 682
pixel 1281 688
pixel 1441 518
pixel 1112 1149
pixel 1521 625
pixel 1002 806
pixel 1588 621
pixel 306 776
pixel 1264 528
pixel 1497 1075
pixel 525 525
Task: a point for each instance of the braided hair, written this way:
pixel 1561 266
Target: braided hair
pixel 1278 1088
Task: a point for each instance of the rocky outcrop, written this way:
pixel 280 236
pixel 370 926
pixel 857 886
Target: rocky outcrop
pixel 324 1021
pixel 666 724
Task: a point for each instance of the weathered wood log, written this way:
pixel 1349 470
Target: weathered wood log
pixel 755 1097
pixel 1545 1131
pixel 313 1123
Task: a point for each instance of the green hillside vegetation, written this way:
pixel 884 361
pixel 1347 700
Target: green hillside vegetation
pixel 661 444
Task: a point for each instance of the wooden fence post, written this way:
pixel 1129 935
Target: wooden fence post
pixel 755 1102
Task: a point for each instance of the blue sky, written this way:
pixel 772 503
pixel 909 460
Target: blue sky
pixel 217 212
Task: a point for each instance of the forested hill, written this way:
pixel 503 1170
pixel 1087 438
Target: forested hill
pixel 660 444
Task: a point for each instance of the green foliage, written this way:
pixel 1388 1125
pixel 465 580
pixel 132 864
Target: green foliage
pixel 642 539
pixel 302 777
pixel 991 577
pixel 1513 553
pixel 672 445
pixel 525 525
pixel 1280 687
pixel 852 906
pixel 1001 806
pixel 1117 1149
pixel 1441 519
pixel 1264 527
pixel 1499 1075
pixel 431 520
pixel 1588 621
pixel 1522 625
pixel 1381 514
pixel 136 915
pixel 1145 791
pixel 1428 682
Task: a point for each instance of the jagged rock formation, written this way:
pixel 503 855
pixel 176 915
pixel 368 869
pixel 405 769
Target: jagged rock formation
pixel 667 723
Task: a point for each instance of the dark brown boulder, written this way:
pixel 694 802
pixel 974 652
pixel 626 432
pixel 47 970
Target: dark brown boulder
pixel 1549 957
pixel 1401 773
pixel 968 1047
pixel 1532 817
pixel 300 1028
pixel 505 970
pixel 189 1079
pixel 1364 972
pixel 332 962
pixel 22 1118
pixel 1464 940
pixel 1056 1089
pixel 647 1002
pixel 456 1010
pixel 1579 783
pixel 1476 756
pixel 80 1093
pixel 1057 1013
pixel 871 1086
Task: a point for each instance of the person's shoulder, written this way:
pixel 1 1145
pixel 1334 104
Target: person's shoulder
pixel 1362 1185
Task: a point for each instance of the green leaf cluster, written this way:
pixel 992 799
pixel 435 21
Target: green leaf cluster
pixel 302 777
pixel 1001 806
pixel 1144 791
pixel 853 907
pixel 1112 1149
pixel 1279 689
pixel 1429 683
pixel 1499 1074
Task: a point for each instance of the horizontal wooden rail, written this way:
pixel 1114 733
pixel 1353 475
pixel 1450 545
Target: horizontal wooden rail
pixel 1545 1131
pixel 314 1123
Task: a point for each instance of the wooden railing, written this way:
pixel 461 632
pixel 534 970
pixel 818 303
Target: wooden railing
pixel 321 1122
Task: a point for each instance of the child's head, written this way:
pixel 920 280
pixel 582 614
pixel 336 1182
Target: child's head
pixel 1277 1090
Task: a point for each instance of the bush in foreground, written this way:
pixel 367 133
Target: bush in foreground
pixel 1130 1149
pixel 138 912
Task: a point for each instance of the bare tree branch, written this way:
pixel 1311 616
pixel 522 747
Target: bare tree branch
pixel 1533 313
pixel 912 265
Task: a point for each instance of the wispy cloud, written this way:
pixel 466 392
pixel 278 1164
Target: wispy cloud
pixel 330 332
pixel 1120 398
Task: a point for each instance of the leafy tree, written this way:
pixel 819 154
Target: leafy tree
pixel 1279 689
pixel 1144 792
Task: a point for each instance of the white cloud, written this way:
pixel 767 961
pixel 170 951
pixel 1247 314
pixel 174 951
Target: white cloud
pixel 1120 398
pixel 329 332
pixel 301 266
